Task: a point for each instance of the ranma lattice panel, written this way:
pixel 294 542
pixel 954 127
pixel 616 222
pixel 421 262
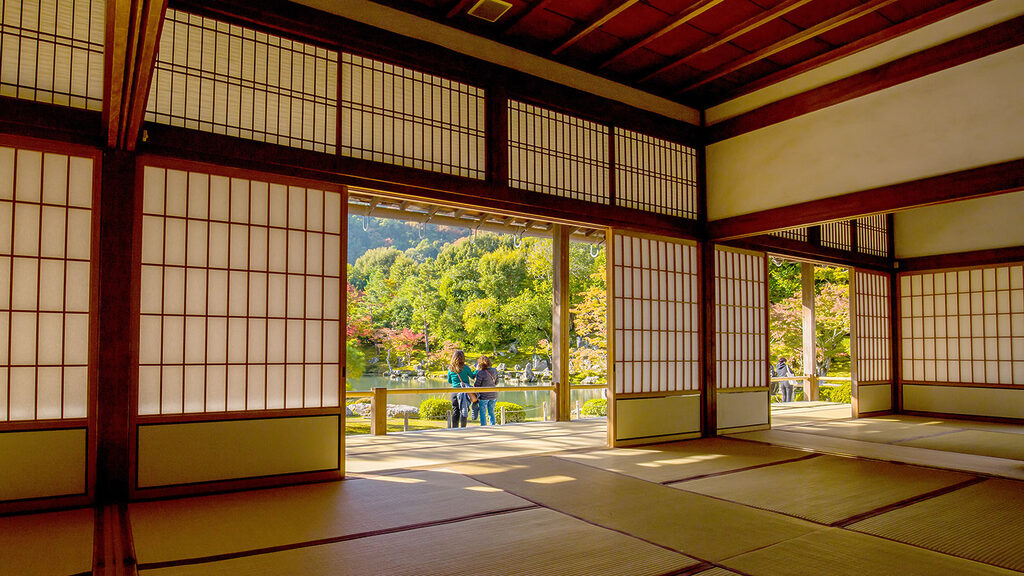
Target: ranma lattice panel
pixel 45 265
pixel 873 347
pixel 557 154
pixel 241 294
pixel 837 235
pixel 873 235
pixel 741 326
pixel 52 51
pixel 402 116
pixel 655 175
pixel 228 79
pixel 963 326
pixel 655 313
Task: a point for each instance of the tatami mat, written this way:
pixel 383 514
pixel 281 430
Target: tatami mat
pixel 716 571
pixel 983 522
pixel 532 542
pixel 995 444
pixel 826 489
pixel 697 525
pixel 681 460
pixel 56 543
pixel 839 552
pixel 229 523
pixel 883 429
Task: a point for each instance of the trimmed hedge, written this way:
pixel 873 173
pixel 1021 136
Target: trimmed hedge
pixel 595 407
pixel 841 394
pixel 513 412
pixel 435 408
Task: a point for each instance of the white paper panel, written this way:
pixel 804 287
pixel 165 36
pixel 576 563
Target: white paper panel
pixel 874 357
pixel 741 357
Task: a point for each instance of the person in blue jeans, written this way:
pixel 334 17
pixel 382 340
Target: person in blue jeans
pixel 459 376
pixel 486 377
pixel 786 386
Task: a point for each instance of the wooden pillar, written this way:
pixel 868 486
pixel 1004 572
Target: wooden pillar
pixel 118 325
pixel 561 397
pixel 706 324
pixel 379 412
pixel 809 328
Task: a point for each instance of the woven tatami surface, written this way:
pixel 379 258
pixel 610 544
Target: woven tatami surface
pixel 983 442
pixel 58 543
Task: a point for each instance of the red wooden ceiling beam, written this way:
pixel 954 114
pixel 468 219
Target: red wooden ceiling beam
pixel 802 36
pixel 729 35
pixel 595 24
pixel 976 182
pixel 681 18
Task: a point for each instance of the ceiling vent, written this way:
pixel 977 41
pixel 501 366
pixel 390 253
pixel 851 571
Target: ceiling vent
pixel 489 10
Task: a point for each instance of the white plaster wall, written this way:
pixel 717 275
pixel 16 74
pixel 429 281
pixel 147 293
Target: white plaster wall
pixel 963 117
pixel 978 224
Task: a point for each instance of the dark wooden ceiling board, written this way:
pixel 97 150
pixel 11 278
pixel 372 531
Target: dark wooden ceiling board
pixel 592 47
pixel 819 11
pixel 725 16
pixel 546 29
pixel 580 10
pixel 765 35
pixel 682 39
pixel 855 30
pixel 636 64
pixel 793 55
pixel 636 22
pixel 720 56
pixel 670 6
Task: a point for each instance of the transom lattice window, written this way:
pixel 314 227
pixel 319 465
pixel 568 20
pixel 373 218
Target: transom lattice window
pixel 792 233
pixel 963 326
pixel 656 296
pixel 241 291
pixel 874 356
pixel 45 245
pixel 227 79
pixel 873 235
pixel 655 175
pixel 740 325
pixel 52 51
pixel 557 154
pixel 406 117
pixel 837 235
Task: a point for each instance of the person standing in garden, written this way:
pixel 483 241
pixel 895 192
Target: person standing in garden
pixel 783 369
pixel 459 376
pixel 486 377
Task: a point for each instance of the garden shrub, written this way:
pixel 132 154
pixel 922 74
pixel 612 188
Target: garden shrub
pixel 513 412
pixel 595 407
pixel 435 408
pixel 841 394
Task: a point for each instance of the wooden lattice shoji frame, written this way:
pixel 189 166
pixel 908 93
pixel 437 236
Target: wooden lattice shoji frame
pixel 228 79
pixel 402 116
pixel 655 175
pixel 557 154
pixel 793 234
pixel 963 326
pixel 837 235
pixel 873 327
pixel 52 51
pixel 656 297
pixel 741 324
pixel 241 294
pixel 46 230
pixel 873 235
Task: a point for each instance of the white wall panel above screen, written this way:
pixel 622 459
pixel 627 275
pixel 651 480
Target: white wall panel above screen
pixel 52 51
pixel 741 325
pixel 45 249
pixel 655 310
pixel 241 286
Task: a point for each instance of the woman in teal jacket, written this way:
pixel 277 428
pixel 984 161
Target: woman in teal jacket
pixel 459 376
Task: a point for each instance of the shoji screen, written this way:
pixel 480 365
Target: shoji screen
pixel 557 154
pixel 872 366
pixel 741 338
pixel 873 235
pixel 46 239
pixel 241 296
pixel 402 116
pixel 656 337
pixel 52 51
pixel 962 341
pixel 837 235
pixel 655 175
pixel 228 79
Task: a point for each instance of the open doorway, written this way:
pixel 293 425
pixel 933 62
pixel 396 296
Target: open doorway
pixel 427 279
pixel 810 342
